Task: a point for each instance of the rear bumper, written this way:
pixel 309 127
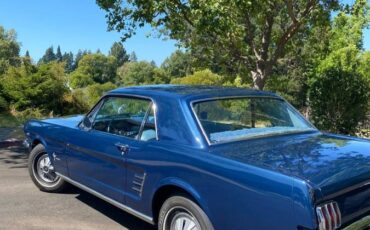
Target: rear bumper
pixel 361 224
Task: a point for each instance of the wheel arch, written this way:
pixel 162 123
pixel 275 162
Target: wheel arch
pixel 38 140
pixel 173 186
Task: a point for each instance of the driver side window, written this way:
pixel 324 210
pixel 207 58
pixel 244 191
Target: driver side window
pixel 121 116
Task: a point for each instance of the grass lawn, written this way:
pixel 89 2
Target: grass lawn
pixel 7 121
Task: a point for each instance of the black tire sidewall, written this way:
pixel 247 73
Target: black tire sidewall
pixel 188 204
pixel 36 153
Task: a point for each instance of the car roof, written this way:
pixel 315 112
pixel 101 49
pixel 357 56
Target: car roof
pixel 190 92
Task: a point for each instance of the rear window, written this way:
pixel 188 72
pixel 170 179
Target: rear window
pixel 239 118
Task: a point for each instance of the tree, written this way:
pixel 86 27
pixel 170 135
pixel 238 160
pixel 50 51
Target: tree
pixel 79 56
pixel 43 87
pixel 67 58
pixel 9 50
pixel 58 55
pixel 346 37
pixel 133 57
pixel 96 91
pixel 94 68
pixel 245 36
pixel 136 73
pixel 142 72
pixel 27 54
pixel 49 56
pixel 339 100
pixel 179 64
pixel 118 51
pixel 203 77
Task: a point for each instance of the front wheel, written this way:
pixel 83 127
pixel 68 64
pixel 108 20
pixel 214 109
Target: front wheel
pixel 42 171
pixel 181 213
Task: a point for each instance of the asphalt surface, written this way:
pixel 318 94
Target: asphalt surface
pixel 23 206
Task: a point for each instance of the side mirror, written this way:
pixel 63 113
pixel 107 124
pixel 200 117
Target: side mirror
pixel 87 122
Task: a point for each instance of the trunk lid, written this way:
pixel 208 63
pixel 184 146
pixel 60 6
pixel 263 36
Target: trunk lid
pixel 337 167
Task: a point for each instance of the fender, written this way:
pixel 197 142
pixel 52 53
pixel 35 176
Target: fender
pixel 174 181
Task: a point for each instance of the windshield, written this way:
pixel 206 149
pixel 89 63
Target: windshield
pixel 239 118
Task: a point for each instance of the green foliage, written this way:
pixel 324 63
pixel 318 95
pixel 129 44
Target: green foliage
pixel 29 87
pixel 75 102
pixel 80 54
pixel 133 57
pixel 3 105
pixel 58 55
pixel 80 80
pixel 245 38
pixel 29 113
pixel 142 72
pixel 9 50
pixel 292 87
pixel 348 25
pixel 8 120
pixel 364 65
pixel 203 77
pixel 94 68
pixel 96 91
pixel 49 56
pixel 179 64
pixel 118 51
pixel 67 58
pixel 339 100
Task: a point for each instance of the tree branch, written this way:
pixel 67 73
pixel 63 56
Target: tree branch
pixel 292 29
pixel 249 36
pixel 291 10
pixel 266 36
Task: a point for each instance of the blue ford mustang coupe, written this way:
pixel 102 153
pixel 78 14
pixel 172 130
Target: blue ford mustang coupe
pixel 203 157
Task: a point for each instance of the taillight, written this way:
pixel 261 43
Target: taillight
pixel 329 216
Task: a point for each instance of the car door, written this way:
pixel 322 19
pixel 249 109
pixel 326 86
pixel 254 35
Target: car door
pixel 96 151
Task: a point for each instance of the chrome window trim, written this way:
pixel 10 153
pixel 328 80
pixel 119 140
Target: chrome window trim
pixel 192 102
pixel 109 200
pixel 153 104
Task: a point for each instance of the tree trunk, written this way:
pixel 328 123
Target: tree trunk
pixel 258 80
pixel 261 73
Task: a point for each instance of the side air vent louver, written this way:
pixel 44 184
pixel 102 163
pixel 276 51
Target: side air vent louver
pixel 138 183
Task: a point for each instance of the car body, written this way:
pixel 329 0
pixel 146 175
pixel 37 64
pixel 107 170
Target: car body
pixel 285 180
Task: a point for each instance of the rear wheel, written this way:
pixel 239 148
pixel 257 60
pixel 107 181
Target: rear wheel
pixel 42 171
pixel 181 213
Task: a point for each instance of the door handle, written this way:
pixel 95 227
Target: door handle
pixel 123 148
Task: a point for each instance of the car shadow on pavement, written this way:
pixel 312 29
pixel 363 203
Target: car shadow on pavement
pixel 121 217
pixel 14 157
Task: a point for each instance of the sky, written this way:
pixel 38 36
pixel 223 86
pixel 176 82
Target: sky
pixel 74 25
pixel 79 24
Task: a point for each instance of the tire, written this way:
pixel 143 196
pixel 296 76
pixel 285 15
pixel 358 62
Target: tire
pixel 181 209
pixel 44 177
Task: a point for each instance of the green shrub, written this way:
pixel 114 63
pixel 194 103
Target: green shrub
pixel 339 100
pixel 203 77
pixel 3 104
pixel 30 113
pixel 75 102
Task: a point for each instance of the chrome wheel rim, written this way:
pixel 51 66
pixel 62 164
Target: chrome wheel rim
pixel 45 170
pixel 179 218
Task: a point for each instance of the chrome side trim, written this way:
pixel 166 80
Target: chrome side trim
pixel 109 200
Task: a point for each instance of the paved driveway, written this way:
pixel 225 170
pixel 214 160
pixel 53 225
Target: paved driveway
pixel 23 206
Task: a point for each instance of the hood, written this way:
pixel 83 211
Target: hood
pixel 68 121
pixel 327 162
